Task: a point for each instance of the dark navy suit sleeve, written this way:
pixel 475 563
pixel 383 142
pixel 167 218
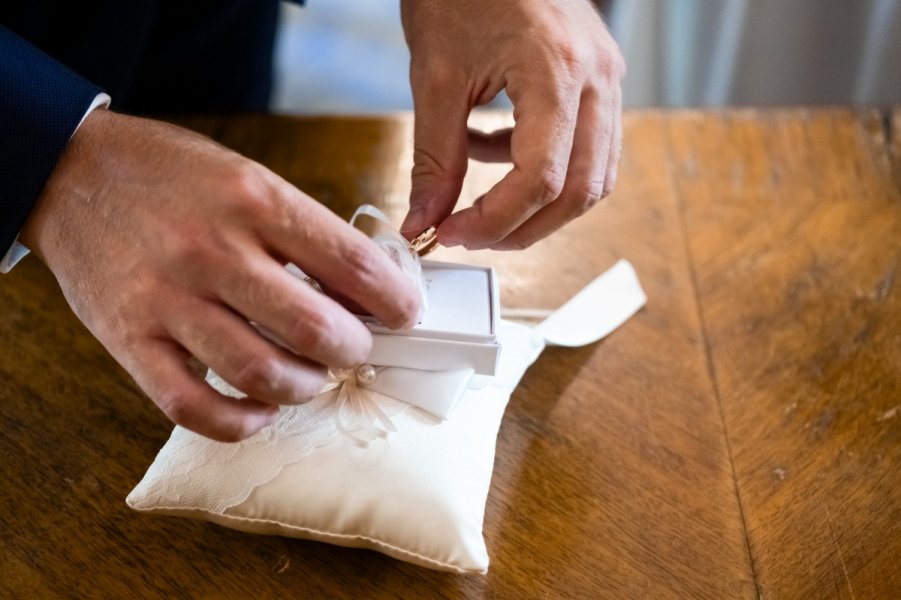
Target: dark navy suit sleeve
pixel 41 104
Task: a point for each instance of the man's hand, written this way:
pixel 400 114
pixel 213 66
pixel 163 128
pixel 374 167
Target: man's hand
pixel 166 245
pixel 562 71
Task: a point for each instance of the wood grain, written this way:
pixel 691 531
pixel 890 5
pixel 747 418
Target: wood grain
pixel 764 240
pixel 794 226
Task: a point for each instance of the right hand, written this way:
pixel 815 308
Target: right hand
pixel 166 245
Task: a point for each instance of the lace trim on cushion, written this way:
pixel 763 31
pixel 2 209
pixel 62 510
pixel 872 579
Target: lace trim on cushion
pixel 259 459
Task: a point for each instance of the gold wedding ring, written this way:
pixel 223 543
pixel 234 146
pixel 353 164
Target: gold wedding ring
pixel 425 243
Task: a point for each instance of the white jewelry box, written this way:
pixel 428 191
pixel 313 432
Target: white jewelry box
pixel 458 331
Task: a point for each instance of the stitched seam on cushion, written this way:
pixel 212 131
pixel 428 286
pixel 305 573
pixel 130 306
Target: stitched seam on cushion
pixel 316 531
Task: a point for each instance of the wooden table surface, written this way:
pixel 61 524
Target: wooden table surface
pixel 738 438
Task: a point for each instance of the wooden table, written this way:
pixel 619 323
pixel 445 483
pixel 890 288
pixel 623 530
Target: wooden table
pixel 740 437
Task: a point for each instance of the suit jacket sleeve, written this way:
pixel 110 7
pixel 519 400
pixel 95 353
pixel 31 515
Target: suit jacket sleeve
pixel 41 104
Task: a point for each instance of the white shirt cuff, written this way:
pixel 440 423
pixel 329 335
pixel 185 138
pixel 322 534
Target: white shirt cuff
pixel 18 251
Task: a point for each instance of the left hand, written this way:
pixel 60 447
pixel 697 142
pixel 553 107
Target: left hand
pixel 168 246
pixel 562 71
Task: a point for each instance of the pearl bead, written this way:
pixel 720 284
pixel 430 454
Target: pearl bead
pixel 366 374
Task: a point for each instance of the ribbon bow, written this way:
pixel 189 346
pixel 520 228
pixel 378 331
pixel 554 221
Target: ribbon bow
pixel 358 415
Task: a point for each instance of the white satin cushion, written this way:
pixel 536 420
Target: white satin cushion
pixel 417 495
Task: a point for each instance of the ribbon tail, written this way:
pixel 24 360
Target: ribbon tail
pixel 376 415
pixel 361 427
pixel 345 405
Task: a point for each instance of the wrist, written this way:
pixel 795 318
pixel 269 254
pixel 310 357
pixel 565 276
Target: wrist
pixel 61 187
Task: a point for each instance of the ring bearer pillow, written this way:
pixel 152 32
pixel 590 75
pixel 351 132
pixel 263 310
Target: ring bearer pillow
pixel 394 459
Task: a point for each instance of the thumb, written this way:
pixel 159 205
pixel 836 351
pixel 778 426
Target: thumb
pixel 439 150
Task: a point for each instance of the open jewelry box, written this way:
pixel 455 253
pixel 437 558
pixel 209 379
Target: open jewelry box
pixel 458 331
pixel 459 328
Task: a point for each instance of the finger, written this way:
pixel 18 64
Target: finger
pixel 585 179
pixel 440 108
pixel 341 258
pixel 616 146
pixel 540 149
pixel 490 147
pixel 162 372
pixel 229 345
pixel 306 321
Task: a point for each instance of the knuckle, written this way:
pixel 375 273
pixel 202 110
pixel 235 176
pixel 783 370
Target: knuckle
pixel 251 188
pixel 258 376
pixel 570 61
pixel 362 263
pixel 612 64
pixel 313 332
pixel 590 196
pixel 425 163
pixel 586 200
pixel 549 184
pixel 431 73
pixel 568 67
pixel 189 246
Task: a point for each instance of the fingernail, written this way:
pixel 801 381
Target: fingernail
pixel 414 222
